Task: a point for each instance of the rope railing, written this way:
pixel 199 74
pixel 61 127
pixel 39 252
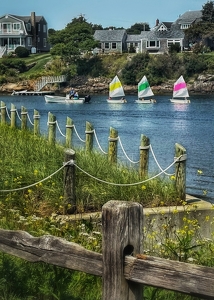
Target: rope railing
pixel 72 162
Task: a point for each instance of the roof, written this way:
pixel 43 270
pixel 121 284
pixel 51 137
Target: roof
pixel 189 17
pixel 109 35
pixel 27 19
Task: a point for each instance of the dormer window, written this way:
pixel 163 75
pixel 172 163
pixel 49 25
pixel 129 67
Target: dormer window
pixel 185 26
pixel 28 27
pixel 16 26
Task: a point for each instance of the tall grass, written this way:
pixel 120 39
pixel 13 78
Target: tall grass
pixel 26 159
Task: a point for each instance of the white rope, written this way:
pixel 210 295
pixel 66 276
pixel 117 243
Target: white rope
pixel 8 113
pixel 128 184
pixel 18 115
pixel 30 119
pixel 57 124
pixel 29 186
pixel 134 162
pixel 78 135
pixel 99 143
pixel 158 163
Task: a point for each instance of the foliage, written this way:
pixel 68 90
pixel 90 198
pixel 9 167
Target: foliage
pixel 11 63
pixel 75 39
pixel 208 12
pixel 194 64
pixel 137 28
pixel 22 51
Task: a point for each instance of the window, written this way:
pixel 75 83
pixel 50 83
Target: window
pixel 38 27
pixel 44 42
pixel 44 28
pixel 29 41
pixel 28 27
pixel 173 42
pixel 6 27
pixel 113 45
pixel 107 46
pixel 153 44
pixel 38 39
pixel 16 26
pixel 185 26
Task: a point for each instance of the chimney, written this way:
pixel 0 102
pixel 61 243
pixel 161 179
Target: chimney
pixel 157 22
pixel 33 25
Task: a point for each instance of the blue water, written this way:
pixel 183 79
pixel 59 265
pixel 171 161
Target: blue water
pixel 190 125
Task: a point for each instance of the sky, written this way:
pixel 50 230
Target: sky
pixel 117 13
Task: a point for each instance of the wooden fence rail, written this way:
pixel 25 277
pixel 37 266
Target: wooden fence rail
pixel 180 151
pixel 122 266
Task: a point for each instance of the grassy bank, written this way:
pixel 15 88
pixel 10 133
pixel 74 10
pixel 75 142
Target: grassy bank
pixel 28 203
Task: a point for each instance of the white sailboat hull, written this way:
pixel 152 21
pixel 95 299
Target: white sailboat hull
pixel 116 101
pixel 180 101
pixel 61 99
pixel 145 101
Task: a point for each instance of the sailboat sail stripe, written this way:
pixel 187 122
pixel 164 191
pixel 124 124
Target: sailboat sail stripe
pixel 179 86
pixel 114 86
pixel 143 86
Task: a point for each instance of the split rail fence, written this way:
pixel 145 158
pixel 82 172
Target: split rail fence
pixel 122 265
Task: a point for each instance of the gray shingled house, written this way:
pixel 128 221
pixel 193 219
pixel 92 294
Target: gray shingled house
pixel 30 32
pixel 157 40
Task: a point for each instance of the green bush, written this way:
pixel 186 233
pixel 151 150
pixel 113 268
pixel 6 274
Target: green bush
pixel 22 52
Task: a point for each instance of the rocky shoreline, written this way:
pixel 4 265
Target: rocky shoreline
pixel 204 84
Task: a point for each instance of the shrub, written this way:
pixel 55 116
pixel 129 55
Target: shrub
pixel 22 52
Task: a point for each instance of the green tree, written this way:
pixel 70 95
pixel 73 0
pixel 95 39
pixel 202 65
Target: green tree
pixel 75 39
pixel 208 12
pixel 138 27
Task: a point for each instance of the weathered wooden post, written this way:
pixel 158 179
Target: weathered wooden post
pixel 23 118
pixel 89 132
pixel 13 116
pixel 144 156
pixel 122 225
pixel 36 118
pixel 112 149
pixel 69 132
pixel 51 128
pixel 69 182
pixel 3 113
pixel 180 171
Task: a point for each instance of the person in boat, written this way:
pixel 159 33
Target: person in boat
pixel 76 95
pixel 72 93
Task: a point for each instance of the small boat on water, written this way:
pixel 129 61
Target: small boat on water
pixel 180 92
pixel 31 93
pixel 67 99
pixel 145 92
pixel 116 92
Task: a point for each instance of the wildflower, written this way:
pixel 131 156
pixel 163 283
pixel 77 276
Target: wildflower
pixel 204 192
pixel 200 172
pixel 172 177
pixel 143 187
pixel 207 218
pixel 35 172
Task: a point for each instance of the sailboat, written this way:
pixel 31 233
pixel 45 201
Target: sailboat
pixel 180 92
pixel 145 92
pixel 116 92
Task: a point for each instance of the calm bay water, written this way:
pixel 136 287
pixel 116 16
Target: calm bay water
pixel 164 123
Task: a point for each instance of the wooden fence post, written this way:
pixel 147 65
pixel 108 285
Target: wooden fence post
pixel 122 225
pixel 144 156
pixel 69 132
pixel 112 150
pixel 3 113
pixel 51 128
pixel 180 171
pixel 69 182
pixel 13 116
pixel 89 137
pixel 36 118
pixel 23 118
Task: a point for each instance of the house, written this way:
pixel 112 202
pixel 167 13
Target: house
pixel 111 40
pixel 30 32
pixel 157 40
